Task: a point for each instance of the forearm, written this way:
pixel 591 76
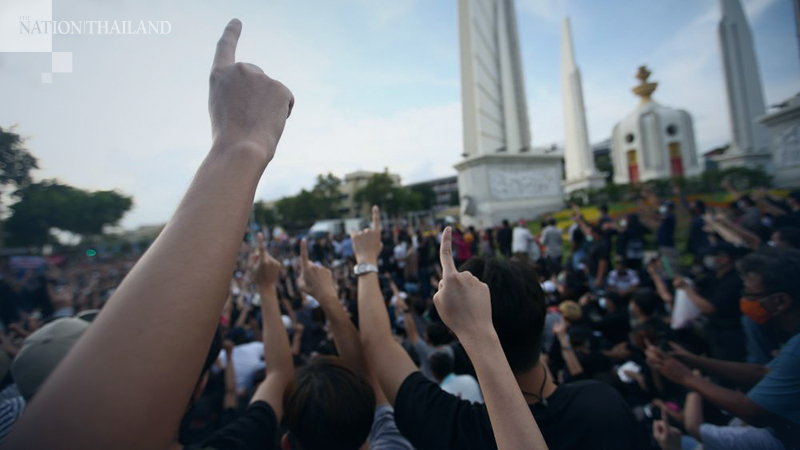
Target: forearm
pixel 741 373
pixel 734 402
pixel 345 335
pixel 574 366
pixel 512 422
pixel 374 320
pixel 229 400
pixel 277 353
pixel 385 357
pixel 693 414
pixel 173 295
pixel 702 303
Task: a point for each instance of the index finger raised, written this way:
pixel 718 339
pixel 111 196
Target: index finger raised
pixel 376 218
pixel 446 253
pixel 226 46
pixel 303 254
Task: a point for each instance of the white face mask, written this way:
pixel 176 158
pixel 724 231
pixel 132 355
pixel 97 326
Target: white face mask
pixel 602 302
pixel 710 262
pixel 772 244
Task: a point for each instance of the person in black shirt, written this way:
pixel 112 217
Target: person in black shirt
pixel 717 297
pixel 504 235
pixel 571 416
pixel 599 258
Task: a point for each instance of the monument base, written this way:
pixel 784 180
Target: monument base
pixel 762 160
pixel 591 182
pixel 501 187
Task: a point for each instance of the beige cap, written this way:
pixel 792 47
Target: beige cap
pixel 42 351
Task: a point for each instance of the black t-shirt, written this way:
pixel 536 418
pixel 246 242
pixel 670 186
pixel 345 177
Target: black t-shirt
pixel 724 293
pixel 600 251
pixel 581 415
pixel 257 428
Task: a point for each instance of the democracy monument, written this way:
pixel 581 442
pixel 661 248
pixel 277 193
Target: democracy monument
pixel 502 176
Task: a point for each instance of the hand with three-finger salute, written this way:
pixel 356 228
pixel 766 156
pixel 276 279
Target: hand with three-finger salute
pixel 315 280
pixel 367 244
pixel 463 301
pixel 248 109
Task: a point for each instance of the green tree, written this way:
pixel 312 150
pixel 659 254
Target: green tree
pixel 427 195
pixel 327 192
pixel 16 163
pixel 49 204
pixel 382 191
pixel 265 215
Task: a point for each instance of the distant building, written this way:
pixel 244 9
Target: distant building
pixel 446 190
pixel 352 182
pixel 783 126
pixel 712 155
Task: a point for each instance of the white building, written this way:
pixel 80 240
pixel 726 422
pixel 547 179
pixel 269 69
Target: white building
pixel 750 141
pixel 653 141
pixel 783 126
pixel 501 176
pixel 578 157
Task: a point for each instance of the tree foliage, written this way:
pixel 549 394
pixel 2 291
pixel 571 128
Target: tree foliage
pixel 382 191
pixel 16 162
pixel 48 204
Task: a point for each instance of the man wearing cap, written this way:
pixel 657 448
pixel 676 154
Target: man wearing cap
pixel 717 297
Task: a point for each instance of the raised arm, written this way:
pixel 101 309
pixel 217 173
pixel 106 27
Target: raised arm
pixel 387 359
pixel 317 282
pixel 230 399
pixel 135 368
pixel 277 353
pixel 465 306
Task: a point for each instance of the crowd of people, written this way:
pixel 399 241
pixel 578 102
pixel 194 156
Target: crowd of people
pixel 617 333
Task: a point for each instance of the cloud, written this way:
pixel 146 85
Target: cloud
pixel 418 143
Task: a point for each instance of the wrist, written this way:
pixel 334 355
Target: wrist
pixel 478 337
pixel 367 260
pixel 245 151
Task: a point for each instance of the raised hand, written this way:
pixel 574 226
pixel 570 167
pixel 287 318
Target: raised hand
pixel 367 244
pixel 266 269
pixel 314 280
pixel 680 352
pixel 248 109
pixel 667 437
pixel 670 367
pixel 462 301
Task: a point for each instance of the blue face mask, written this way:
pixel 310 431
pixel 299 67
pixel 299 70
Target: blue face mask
pixel 589 238
pixel 602 302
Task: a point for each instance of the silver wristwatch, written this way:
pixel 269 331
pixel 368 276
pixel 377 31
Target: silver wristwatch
pixel 362 268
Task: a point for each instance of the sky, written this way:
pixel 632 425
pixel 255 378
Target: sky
pixel 376 84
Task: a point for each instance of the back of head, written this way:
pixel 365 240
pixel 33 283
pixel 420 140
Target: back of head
pixel 329 405
pixel 552 221
pixel 43 351
pixel 647 300
pixel 790 236
pixel 518 307
pixel 571 311
pixel 438 334
pixel 778 269
pixel 441 365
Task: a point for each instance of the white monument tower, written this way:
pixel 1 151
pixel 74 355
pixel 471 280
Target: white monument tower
pixel 500 177
pixel 750 146
pixel 581 172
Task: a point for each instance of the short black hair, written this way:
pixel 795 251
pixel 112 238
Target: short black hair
pixel 442 365
pixel 518 307
pixel 779 269
pixel 790 235
pixel 647 300
pixel 552 221
pixel 604 208
pixel 438 334
pixel 329 405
